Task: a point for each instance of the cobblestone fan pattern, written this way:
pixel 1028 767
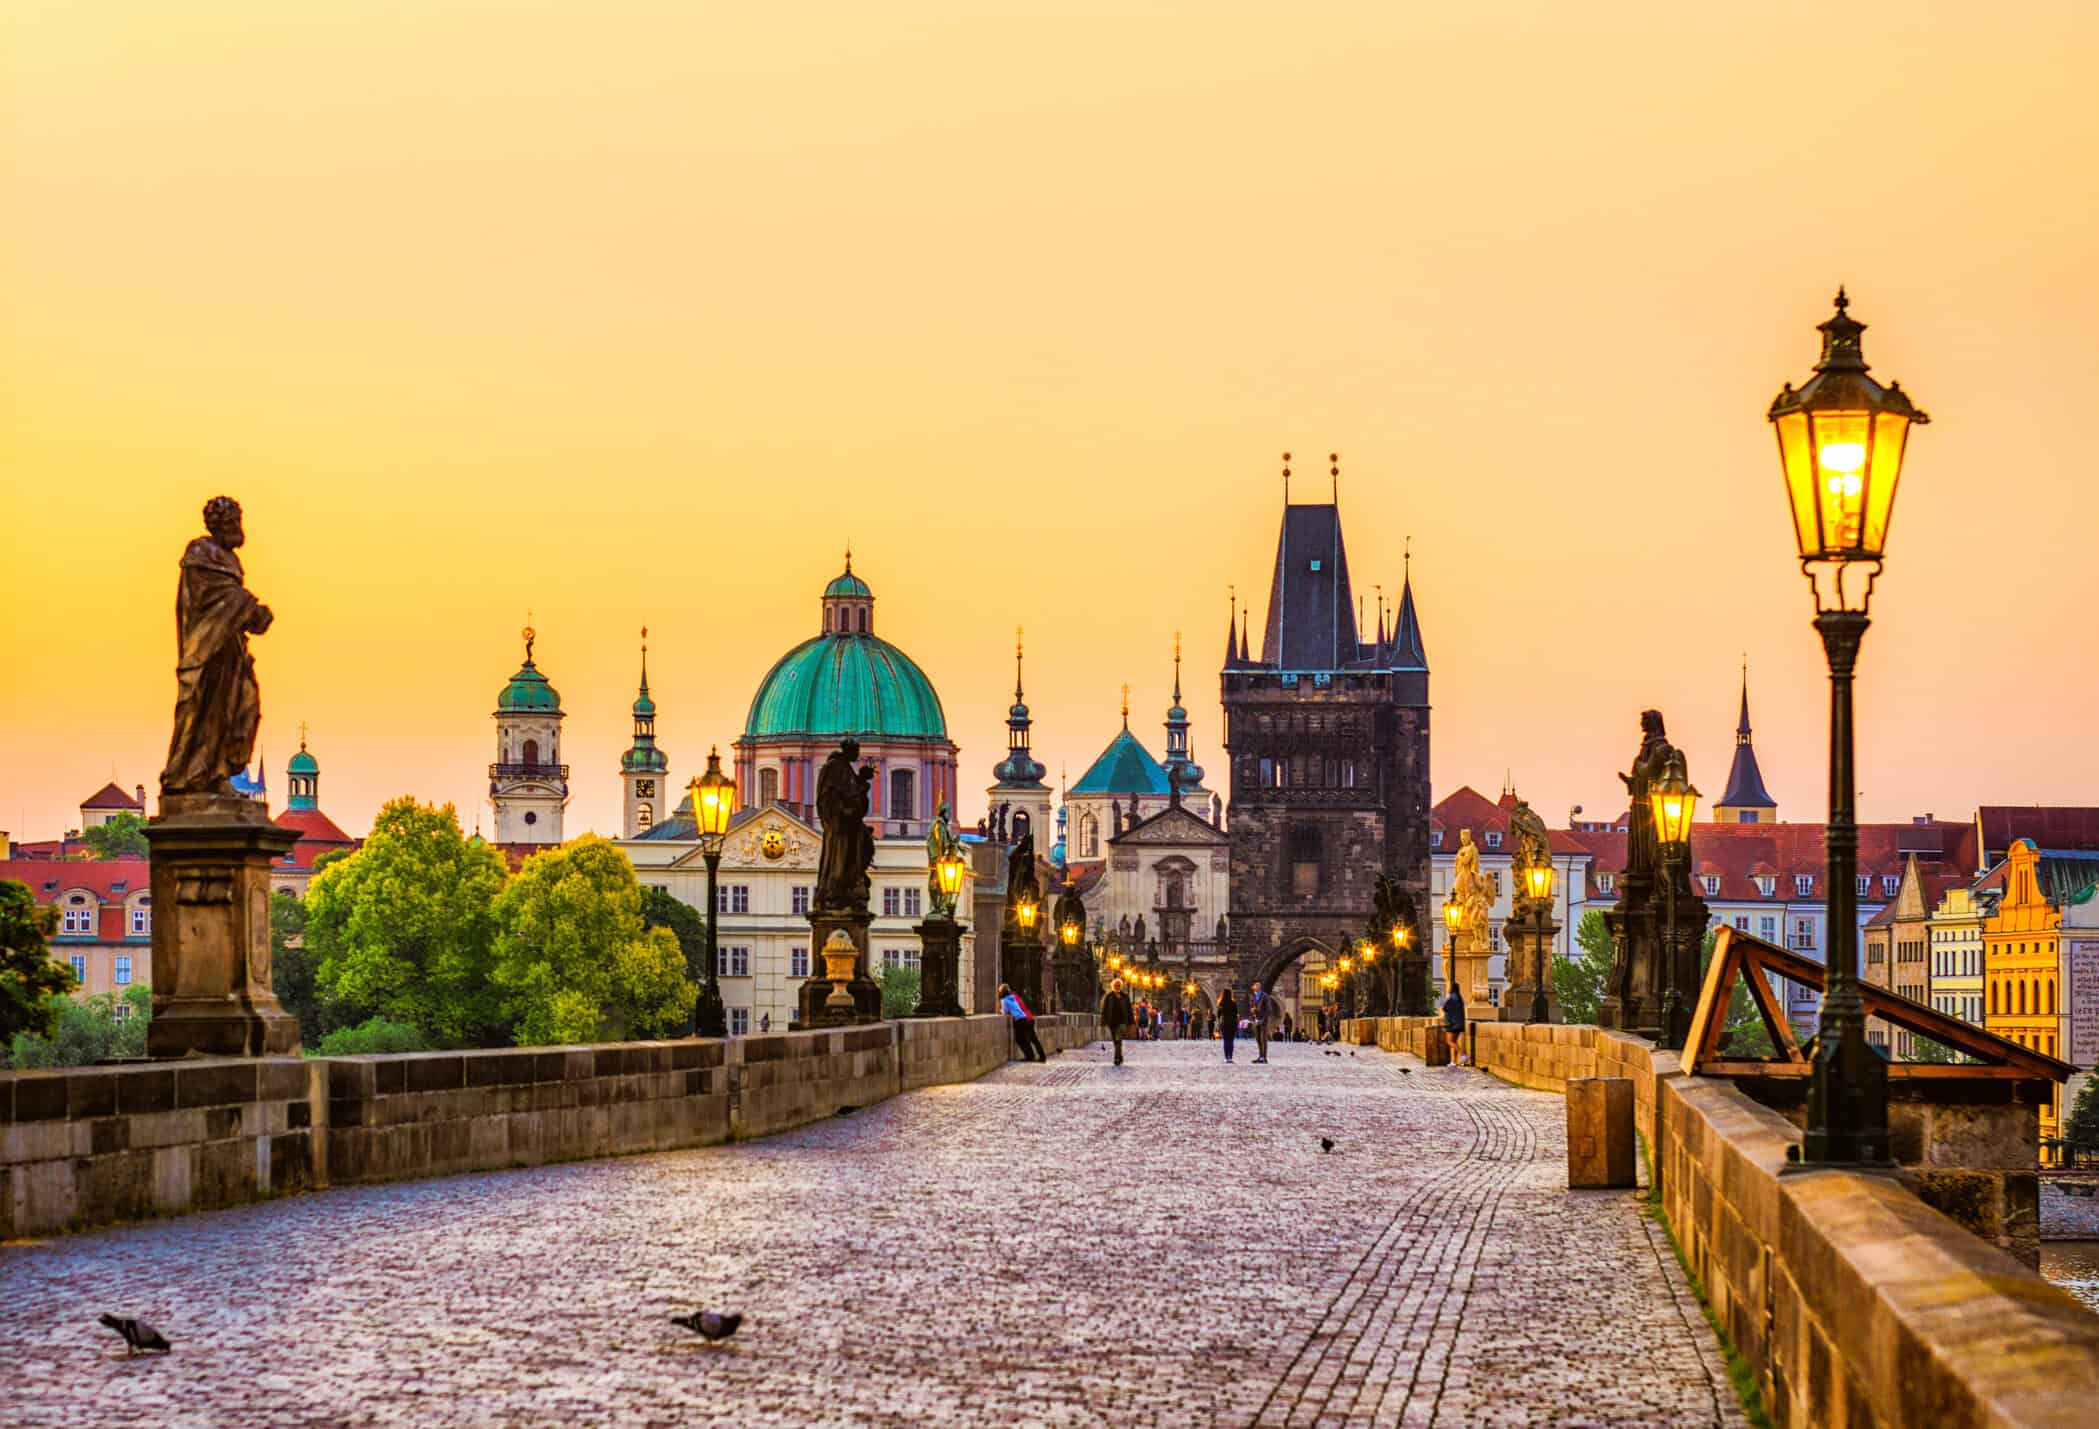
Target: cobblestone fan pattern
pixel 1158 1244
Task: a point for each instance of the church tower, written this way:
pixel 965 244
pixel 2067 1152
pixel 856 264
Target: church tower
pixel 302 778
pixel 644 767
pixel 528 783
pixel 1746 800
pixel 1019 774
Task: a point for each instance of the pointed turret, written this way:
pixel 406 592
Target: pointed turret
pixel 1183 774
pixel 1746 800
pixel 1019 770
pixel 643 766
pixel 1407 652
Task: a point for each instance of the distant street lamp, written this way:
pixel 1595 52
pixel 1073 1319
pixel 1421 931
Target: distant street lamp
pixel 1841 438
pixel 713 800
pixel 1674 803
pixel 1537 881
pixel 1453 919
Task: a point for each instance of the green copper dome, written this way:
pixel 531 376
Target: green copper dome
pixel 528 692
pixel 848 585
pixel 303 763
pixel 835 685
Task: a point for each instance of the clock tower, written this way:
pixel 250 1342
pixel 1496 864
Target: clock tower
pixel 528 783
pixel 644 769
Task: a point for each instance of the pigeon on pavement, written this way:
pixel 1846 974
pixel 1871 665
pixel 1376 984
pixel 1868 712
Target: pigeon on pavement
pixel 709 1325
pixel 137 1334
pixel 1326 1143
pixel 847 1110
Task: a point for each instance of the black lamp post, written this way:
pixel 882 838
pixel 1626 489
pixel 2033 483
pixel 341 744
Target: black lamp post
pixel 1537 881
pixel 1841 438
pixel 1674 803
pixel 713 800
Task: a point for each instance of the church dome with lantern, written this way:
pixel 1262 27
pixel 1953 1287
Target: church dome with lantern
pixel 846 681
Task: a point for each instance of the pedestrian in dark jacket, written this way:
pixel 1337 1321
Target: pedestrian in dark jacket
pixel 1115 1012
pixel 1023 1025
pixel 1264 1013
pixel 1454 1025
pixel 1228 1020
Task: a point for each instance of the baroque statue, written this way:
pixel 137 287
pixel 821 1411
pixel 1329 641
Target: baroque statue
pixel 941 843
pixel 1533 846
pixel 1470 887
pixel 1022 884
pixel 218 705
pixel 848 844
pixel 1641 850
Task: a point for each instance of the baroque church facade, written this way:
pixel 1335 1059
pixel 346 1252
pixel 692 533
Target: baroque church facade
pixel 1328 737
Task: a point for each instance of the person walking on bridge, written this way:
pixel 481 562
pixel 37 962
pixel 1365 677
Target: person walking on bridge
pixel 1453 1006
pixel 1115 1014
pixel 1023 1025
pixel 1227 1019
pixel 1263 1010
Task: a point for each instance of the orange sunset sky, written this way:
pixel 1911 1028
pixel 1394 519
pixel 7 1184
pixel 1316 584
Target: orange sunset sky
pixel 635 311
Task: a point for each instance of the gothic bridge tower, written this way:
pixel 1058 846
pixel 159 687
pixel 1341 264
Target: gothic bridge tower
pixel 1328 738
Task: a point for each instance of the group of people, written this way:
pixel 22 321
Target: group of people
pixel 1119 1015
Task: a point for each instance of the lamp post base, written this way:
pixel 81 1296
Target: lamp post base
pixel 710 1018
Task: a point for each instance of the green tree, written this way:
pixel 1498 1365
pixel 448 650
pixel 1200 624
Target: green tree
pixel 123 836
pixel 295 972
pixel 2082 1126
pixel 573 960
pixel 660 910
pixel 1577 982
pixel 404 928
pixel 373 1035
pixel 29 979
pixel 88 1031
pixel 899 989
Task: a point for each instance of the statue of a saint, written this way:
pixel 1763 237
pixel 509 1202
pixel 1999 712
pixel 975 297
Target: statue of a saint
pixel 217 703
pixel 1071 911
pixel 1022 883
pixel 849 845
pixel 1641 849
pixel 1470 888
pixel 1533 846
pixel 941 843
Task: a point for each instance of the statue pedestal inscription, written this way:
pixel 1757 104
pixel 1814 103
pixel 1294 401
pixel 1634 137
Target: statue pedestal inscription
pixel 862 993
pixel 211 930
pixel 939 963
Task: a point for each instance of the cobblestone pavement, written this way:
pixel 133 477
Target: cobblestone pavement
pixel 1158 1244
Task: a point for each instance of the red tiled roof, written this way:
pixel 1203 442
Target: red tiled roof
pixel 318 834
pixel 1737 853
pixel 1469 809
pixel 109 796
pixel 110 880
pixel 2064 827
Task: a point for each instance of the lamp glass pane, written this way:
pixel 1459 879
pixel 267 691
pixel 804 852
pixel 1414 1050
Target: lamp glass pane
pixel 1890 432
pixel 1799 463
pixel 1841 441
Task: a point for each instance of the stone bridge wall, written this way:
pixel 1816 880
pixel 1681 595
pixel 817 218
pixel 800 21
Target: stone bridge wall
pixel 1854 1301
pixel 97 1144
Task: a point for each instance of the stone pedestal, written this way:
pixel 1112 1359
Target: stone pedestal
pixel 939 958
pixel 1020 963
pixel 865 992
pixel 1415 998
pixel 1465 962
pixel 211 930
pixel 1632 991
pixel 1530 996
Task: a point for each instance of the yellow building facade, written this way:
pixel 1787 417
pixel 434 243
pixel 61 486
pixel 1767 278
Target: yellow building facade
pixel 2022 949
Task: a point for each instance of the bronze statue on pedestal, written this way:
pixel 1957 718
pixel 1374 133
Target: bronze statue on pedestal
pixel 218 706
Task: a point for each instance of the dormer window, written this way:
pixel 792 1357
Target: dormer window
pixel 1766 884
pixel 1493 839
pixel 1889 882
pixel 1865 884
pixel 1803 884
pixel 1435 838
pixel 1710 882
pixel 1606 882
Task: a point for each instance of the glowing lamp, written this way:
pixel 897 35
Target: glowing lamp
pixel 1453 914
pixel 1024 911
pixel 1401 935
pixel 713 798
pixel 1070 934
pixel 1841 439
pixel 949 868
pixel 1539 878
pixel 1346 963
pixel 1674 802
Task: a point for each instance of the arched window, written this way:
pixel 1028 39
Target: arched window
pixel 1993 999
pixel 643 816
pixel 863 620
pixel 531 752
pixel 903 794
pixel 830 619
pixel 768 787
pixel 2051 995
pixel 1089 836
pixel 2022 996
pixel 1304 861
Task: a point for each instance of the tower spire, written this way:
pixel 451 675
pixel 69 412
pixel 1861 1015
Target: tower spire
pixel 1125 706
pixel 1742 725
pixel 644 662
pixel 1018 636
pixel 1176 667
pixel 1286 478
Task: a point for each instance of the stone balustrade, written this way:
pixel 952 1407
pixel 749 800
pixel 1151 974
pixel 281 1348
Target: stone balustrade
pixel 1853 1300
pixel 91 1145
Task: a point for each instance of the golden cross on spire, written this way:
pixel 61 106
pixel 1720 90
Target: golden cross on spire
pixel 302 734
pixel 1125 706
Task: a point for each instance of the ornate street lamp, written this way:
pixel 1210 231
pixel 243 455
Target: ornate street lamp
pixel 1025 911
pixel 1453 919
pixel 949 868
pixel 713 800
pixel 1841 438
pixel 1537 881
pixel 1674 803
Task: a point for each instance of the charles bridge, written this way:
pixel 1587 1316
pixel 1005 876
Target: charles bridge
pixel 1069 1243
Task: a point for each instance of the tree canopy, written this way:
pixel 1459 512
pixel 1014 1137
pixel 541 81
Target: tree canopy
pixel 28 977
pixel 123 836
pixel 1577 982
pixel 404 928
pixel 574 961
